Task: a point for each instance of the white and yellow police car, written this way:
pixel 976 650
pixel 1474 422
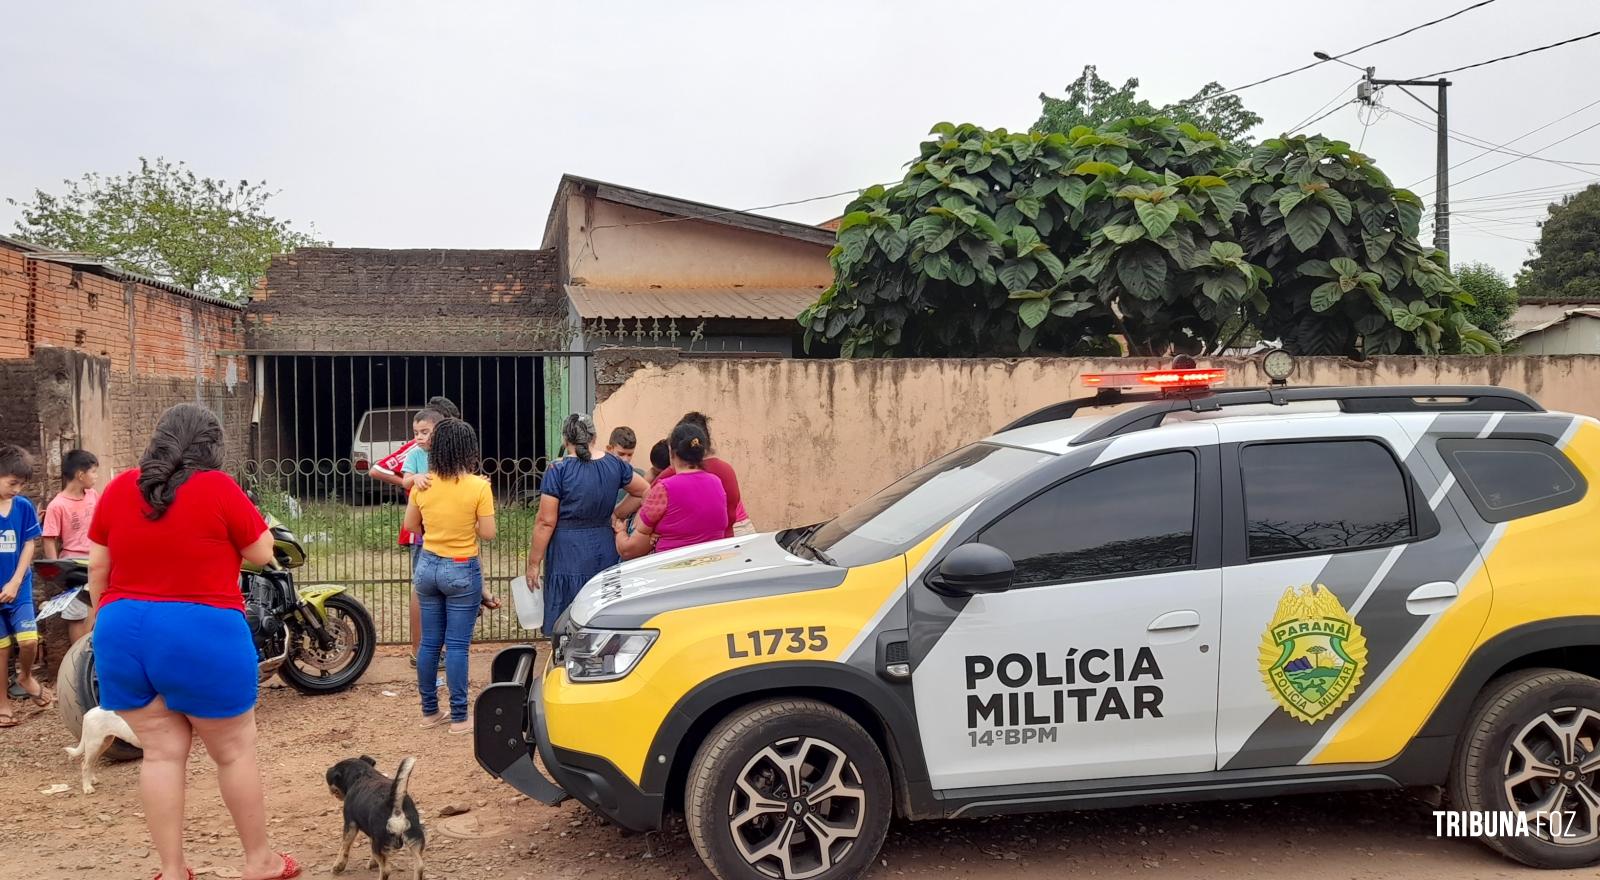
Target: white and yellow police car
pixel 1200 593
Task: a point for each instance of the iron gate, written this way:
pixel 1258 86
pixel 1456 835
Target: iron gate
pixel 322 420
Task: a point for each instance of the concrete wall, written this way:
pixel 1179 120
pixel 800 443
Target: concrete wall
pixel 619 246
pixel 810 437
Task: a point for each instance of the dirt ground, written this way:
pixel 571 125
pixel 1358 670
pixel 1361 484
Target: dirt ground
pixel 503 835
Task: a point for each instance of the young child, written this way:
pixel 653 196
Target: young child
pixel 19 526
pixel 66 527
pixel 622 444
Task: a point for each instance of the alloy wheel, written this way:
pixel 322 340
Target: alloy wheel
pixel 1550 771
pixel 797 808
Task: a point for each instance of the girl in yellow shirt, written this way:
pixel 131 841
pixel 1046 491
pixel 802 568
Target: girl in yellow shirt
pixel 454 511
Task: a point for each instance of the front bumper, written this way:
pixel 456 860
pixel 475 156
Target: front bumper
pixel 509 728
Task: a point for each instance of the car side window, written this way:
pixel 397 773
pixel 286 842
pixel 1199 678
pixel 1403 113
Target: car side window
pixel 1130 517
pixel 1512 478
pixel 1323 496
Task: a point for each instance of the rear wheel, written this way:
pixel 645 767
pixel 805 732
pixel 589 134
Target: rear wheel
pixel 78 691
pixel 312 669
pixel 1532 745
pixel 788 790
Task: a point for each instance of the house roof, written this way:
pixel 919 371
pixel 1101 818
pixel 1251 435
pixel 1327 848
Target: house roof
pixel 761 304
pixel 649 201
pixel 1565 316
pixel 96 266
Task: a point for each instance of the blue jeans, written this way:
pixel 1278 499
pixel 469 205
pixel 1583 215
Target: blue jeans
pixel 449 592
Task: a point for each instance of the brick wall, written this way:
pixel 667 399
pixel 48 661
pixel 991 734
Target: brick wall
pixel 89 357
pixel 362 299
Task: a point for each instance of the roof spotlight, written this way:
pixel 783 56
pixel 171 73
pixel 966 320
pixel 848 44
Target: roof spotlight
pixel 1278 365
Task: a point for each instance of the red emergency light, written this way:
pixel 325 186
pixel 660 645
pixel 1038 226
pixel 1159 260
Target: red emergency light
pixel 1163 379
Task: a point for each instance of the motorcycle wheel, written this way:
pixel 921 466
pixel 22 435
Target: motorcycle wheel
pixel 311 670
pixel 78 691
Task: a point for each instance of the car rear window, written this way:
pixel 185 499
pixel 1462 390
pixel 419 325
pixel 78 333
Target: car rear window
pixel 387 426
pixel 1508 479
pixel 1323 496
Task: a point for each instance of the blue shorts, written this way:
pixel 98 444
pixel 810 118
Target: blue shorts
pixel 199 659
pixel 18 623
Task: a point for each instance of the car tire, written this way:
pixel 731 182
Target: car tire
pixel 1511 758
pixel 745 823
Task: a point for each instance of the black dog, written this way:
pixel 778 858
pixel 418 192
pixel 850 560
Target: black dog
pixel 378 807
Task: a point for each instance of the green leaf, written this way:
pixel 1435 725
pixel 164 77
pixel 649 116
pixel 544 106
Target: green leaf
pixel 895 247
pixel 964 186
pixel 947 129
pixel 1029 206
pixel 1099 169
pixel 1051 264
pixel 1007 217
pixel 1376 245
pixel 1336 200
pixel 1410 217
pixel 1066 308
pixel 1034 311
pixel 925 227
pixel 938 170
pixel 1179 242
pixel 988 227
pixel 976 162
pixel 1020 295
pixel 1227 285
pixel 1203 181
pixel 1018 274
pixel 1345 267
pixel 854 219
pixel 1122 234
pixel 1072 191
pixel 1025 338
pixel 1226 251
pixel 1026 237
pixel 962 273
pixel 1225 200
pixel 1289 197
pixel 1306 224
pixel 1326 296
pixel 1318 269
pixel 1143 271
pixel 1156 216
pixel 936 266
pixel 1405 320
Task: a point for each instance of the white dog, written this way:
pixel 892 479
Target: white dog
pixel 100 728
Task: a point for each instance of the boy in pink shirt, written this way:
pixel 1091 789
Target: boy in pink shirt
pixel 66 526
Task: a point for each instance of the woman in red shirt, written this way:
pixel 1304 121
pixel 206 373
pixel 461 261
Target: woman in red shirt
pixel 172 649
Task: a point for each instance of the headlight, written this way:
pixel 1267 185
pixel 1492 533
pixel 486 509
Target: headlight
pixel 605 654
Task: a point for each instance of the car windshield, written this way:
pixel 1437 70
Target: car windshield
pixel 894 520
pixel 387 426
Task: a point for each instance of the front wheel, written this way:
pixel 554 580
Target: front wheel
pixel 1532 746
pixel 788 789
pixel 312 669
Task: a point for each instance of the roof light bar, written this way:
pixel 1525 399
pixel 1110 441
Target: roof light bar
pixel 1164 379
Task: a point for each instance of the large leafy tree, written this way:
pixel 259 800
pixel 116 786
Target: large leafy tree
pixel 1146 229
pixel 1568 262
pixel 1496 298
pixel 163 220
pixel 1093 101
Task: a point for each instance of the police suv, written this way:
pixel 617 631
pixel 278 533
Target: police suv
pixel 1200 592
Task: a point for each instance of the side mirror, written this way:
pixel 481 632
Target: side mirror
pixel 972 569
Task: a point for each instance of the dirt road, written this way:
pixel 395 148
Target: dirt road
pixel 502 835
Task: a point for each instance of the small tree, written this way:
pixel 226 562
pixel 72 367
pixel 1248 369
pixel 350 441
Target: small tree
pixel 213 236
pixel 1568 262
pixel 1092 101
pixel 1496 298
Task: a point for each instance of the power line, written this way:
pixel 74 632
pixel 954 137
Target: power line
pixel 1519 159
pixel 1553 191
pixel 1478 142
pixel 1361 48
pixel 1314 117
pixel 1322 117
pixel 1511 56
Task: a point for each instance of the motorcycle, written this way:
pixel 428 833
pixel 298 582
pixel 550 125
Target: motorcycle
pixel 319 639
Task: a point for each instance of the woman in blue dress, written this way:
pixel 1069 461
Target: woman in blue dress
pixel 573 539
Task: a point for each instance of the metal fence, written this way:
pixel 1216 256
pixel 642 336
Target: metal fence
pixel 323 421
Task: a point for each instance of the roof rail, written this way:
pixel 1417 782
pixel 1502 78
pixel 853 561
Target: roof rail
pixel 1365 399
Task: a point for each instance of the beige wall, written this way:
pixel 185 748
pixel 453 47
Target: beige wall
pixel 810 437
pixel 603 251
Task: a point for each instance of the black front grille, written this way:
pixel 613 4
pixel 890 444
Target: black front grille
pixel 897 652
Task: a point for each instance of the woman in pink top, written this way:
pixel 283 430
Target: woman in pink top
pixel 738 521
pixel 690 507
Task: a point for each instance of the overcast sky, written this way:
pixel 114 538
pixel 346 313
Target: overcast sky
pixel 408 124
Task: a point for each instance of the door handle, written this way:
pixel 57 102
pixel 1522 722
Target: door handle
pixel 1432 598
pixel 1175 620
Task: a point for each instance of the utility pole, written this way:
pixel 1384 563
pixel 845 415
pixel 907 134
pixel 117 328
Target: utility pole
pixel 1366 92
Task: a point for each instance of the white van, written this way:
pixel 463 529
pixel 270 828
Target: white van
pixel 379 434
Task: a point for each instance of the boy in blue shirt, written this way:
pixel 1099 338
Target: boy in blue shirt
pixel 19 528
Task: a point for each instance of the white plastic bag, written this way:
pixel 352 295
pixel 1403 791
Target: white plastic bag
pixel 530 604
